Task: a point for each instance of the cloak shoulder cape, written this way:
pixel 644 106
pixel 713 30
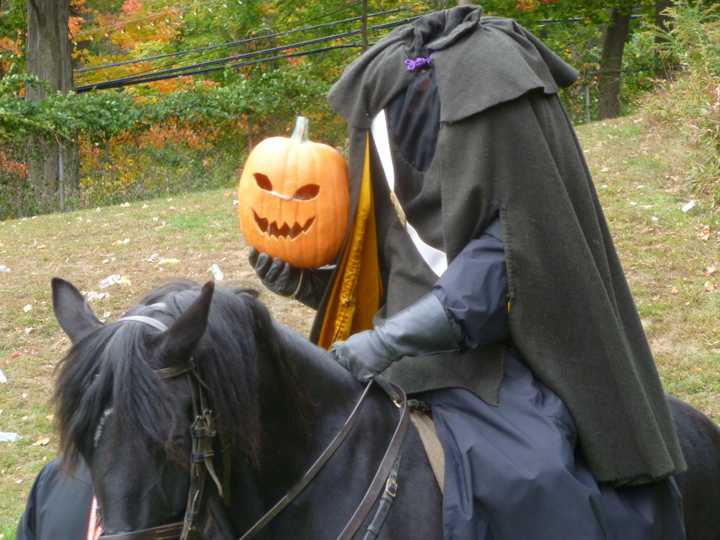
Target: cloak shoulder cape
pixel 505 145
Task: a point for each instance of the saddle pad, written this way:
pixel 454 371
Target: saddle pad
pixel 431 442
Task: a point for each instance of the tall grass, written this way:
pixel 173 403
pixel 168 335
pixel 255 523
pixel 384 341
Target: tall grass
pixel 690 100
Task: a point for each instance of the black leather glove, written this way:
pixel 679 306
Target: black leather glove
pixel 306 285
pixel 421 328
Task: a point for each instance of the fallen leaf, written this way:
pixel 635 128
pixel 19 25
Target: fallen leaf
pixel 94 296
pixel 43 441
pixel 688 206
pixel 674 290
pixel 114 279
pixel 710 286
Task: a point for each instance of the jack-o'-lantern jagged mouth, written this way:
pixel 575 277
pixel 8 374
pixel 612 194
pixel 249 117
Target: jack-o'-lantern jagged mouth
pixel 271 228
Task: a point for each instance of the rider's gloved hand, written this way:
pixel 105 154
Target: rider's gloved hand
pixel 306 285
pixel 420 329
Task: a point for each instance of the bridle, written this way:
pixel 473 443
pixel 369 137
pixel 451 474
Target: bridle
pixel 384 484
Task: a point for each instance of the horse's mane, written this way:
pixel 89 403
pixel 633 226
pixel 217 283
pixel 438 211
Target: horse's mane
pixel 111 367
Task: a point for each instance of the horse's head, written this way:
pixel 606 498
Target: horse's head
pixel 127 393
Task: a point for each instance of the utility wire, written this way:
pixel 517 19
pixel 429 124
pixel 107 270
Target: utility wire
pixel 181 71
pixel 204 68
pixel 120 82
pixel 230 44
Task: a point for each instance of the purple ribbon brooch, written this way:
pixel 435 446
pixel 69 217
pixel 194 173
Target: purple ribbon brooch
pixel 416 64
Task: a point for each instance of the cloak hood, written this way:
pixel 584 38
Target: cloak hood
pixel 479 62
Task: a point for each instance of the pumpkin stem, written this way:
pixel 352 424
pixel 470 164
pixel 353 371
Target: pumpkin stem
pixel 302 127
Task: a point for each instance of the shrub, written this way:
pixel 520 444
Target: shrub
pixel 690 102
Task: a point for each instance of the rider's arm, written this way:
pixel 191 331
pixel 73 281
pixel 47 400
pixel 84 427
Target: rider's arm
pixel 474 288
pixel 466 308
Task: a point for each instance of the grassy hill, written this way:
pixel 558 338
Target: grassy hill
pixel 672 260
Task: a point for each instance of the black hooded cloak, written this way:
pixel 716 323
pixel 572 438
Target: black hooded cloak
pixel 506 146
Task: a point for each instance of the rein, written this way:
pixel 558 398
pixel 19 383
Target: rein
pixel 384 484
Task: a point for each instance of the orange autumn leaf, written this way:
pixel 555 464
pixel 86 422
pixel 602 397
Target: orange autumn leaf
pixel 14 46
pixel 74 25
pixel 131 6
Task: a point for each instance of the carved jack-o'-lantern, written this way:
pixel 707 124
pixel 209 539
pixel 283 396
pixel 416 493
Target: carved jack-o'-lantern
pixel 293 199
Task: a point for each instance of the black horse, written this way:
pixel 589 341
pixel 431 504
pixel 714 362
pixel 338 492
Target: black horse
pixel 125 403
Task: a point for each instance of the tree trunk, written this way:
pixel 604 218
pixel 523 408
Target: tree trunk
pixel 53 166
pixel 616 35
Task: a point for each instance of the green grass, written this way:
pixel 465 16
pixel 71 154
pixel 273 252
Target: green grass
pixel 640 173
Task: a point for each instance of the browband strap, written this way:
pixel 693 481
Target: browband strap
pixel 146 320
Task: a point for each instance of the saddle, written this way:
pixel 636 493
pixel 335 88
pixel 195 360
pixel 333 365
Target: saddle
pixel 423 422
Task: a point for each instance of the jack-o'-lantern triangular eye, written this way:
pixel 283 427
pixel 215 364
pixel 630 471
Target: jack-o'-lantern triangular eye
pixel 307 192
pixel 263 181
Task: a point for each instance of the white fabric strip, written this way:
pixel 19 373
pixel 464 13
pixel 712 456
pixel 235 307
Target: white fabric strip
pixel 435 259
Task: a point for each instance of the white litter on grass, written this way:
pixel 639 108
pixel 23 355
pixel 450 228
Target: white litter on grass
pixel 27 308
pixel 217 274
pixel 94 296
pixel 688 206
pixel 113 279
pixel 3 269
pixel 8 436
pixel 3 378
pixel 109 281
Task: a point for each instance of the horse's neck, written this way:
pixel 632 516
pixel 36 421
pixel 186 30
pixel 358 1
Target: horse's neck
pixel 329 385
pixel 298 422
pixel 330 394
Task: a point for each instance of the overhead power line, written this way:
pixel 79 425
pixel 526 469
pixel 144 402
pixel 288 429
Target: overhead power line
pixel 231 61
pixel 117 83
pixel 230 44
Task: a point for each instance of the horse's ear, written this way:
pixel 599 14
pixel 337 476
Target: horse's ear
pixel 180 340
pixel 72 311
